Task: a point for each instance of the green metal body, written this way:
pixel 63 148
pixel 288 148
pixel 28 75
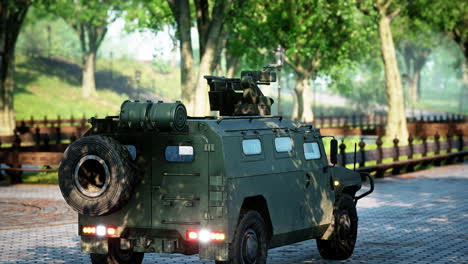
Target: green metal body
pixel 295 195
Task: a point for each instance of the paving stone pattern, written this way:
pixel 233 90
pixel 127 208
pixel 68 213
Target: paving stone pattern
pixel 415 218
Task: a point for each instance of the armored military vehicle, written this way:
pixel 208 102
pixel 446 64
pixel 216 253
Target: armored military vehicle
pixel 152 180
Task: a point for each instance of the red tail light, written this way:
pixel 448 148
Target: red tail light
pixel 205 236
pixel 192 235
pixel 111 231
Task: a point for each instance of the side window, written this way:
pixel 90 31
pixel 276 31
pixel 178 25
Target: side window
pixel 251 146
pixel 179 153
pixel 283 144
pixel 311 150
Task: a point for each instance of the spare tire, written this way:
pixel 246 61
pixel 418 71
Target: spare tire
pixel 97 175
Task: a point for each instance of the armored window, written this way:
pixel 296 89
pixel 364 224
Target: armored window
pixel 179 153
pixel 283 144
pixel 251 146
pixel 311 150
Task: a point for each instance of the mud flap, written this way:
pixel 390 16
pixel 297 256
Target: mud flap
pixel 214 251
pixel 94 245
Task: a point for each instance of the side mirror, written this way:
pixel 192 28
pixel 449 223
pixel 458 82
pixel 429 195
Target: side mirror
pixel 334 151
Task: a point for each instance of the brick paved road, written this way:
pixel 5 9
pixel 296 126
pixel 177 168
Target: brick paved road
pixel 415 218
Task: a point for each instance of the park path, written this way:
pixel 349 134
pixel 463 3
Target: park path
pixel 420 217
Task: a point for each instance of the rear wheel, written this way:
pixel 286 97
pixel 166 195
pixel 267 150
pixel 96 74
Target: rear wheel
pixel 344 235
pixel 250 244
pixel 97 175
pixel 117 255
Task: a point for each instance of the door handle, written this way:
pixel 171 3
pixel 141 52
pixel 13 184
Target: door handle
pixel 307 180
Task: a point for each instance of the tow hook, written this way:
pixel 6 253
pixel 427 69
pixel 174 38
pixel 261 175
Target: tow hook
pixel 371 182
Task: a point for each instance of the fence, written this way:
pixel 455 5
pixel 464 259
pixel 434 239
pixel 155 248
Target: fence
pixel 379 120
pixel 30 131
pixel 44 131
pixel 404 157
pixel 43 142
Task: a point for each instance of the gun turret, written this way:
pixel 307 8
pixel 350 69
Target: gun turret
pixel 240 97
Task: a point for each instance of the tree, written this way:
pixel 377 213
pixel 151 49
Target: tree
pixel 317 35
pixel 89 19
pixel 181 14
pixel 44 34
pixel 451 18
pixel 415 40
pixel 12 15
pixel 415 57
pixel 384 12
pixel 212 34
pixel 363 84
pixel 209 27
pixel 209 17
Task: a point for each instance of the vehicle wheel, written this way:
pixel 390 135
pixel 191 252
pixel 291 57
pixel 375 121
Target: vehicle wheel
pixel 117 255
pixel 96 175
pixel 344 235
pixel 250 244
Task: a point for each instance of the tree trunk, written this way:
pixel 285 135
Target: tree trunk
pixel 201 88
pixel 221 43
pixel 396 124
pixel 12 15
pixel 302 110
pixel 208 58
pixel 181 11
pixel 232 66
pixel 419 60
pixel 414 87
pixel 91 37
pixel 7 115
pixel 89 82
pixel 202 12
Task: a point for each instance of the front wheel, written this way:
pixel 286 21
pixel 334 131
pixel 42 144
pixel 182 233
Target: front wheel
pixel 250 244
pixel 117 255
pixel 344 234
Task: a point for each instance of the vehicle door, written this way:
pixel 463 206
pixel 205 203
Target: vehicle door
pixel 180 167
pixel 319 194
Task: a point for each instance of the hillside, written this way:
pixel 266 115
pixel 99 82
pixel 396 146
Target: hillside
pixel 52 86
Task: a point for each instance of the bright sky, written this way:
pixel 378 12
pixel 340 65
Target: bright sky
pixel 138 45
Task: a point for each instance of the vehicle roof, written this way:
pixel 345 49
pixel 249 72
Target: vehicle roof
pixel 257 124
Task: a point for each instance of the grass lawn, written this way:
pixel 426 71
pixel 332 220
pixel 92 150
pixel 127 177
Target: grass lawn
pixel 35 178
pixel 52 87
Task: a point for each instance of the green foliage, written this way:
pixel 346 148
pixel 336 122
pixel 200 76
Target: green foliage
pixel 363 84
pixel 91 12
pixel 442 80
pixel 34 37
pixel 88 18
pixel 161 66
pixel 450 17
pixel 317 34
pixel 148 14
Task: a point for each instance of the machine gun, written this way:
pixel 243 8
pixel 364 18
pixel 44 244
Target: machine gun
pixel 241 97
